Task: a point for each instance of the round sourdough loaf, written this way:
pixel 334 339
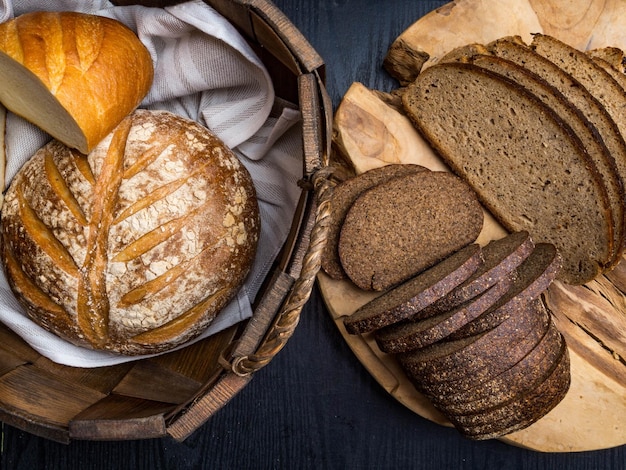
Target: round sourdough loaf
pixel 135 247
pixel 74 75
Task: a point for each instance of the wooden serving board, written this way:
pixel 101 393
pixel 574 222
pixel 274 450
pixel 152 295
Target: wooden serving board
pixel 372 132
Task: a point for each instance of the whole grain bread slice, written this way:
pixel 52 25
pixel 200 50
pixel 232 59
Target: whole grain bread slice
pixel 527 166
pixel 415 294
pixel 405 225
pixel 520 412
pixel 502 257
pixel 342 199
pixel 575 118
pixel 515 50
pixel 418 334
pixel 523 376
pixel 456 360
pixel 610 54
pixel 534 276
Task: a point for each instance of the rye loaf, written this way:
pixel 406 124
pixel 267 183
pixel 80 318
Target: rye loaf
pixel 405 225
pixel 342 199
pixel 421 333
pixel 531 370
pixel 520 158
pixel 456 360
pixel 415 294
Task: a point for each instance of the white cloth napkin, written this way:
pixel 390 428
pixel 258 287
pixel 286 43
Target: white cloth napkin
pixel 204 70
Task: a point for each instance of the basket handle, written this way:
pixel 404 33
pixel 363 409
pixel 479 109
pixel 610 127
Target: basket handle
pixel 287 319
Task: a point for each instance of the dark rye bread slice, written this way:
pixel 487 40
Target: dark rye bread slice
pixel 533 369
pixel 421 333
pixel 455 360
pixel 501 256
pixel 520 412
pixel 415 294
pixel 574 117
pixel 515 50
pixel 405 225
pixel 342 199
pixel 534 276
pixel 527 166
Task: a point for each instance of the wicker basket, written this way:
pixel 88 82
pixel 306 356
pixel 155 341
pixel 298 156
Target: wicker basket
pixel 175 393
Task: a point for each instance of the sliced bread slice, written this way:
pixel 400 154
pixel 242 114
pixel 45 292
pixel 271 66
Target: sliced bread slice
pixel 534 276
pixel 502 257
pixel 574 117
pixel 415 294
pixel 514 50
pixel 403 226
pixel 522 411
pixel 533 369
pixel 456 360
pixel 419 334
pixel 342 199
pixel 610 54
pixel 527 166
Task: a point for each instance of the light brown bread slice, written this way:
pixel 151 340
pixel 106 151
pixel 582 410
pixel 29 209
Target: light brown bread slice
pixel 612 55
pixel 583 69
pixel 405 225
pixel 413 295
pixel 501 256
pixel 342 199
pixel 421 333
pixel 574 117
pixel 513 49
pixel 527 166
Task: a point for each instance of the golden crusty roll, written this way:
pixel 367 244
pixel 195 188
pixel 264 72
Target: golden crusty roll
pixel 74 75
pixel 135 247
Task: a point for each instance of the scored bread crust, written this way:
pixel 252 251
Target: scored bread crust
pixel 521 160
pixel 137 246
pixel 95 68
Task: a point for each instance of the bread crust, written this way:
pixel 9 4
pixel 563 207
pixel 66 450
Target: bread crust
pixel 95 68
pixel 137 246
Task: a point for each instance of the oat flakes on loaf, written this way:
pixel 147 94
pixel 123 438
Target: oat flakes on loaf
pixel 137 246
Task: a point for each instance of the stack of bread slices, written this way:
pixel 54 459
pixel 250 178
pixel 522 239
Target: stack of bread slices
pixel 466 322
pixel 537 132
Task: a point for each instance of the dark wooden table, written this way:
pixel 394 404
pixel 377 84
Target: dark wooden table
pixel 314 406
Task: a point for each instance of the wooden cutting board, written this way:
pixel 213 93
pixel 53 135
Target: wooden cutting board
pixel 372 132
